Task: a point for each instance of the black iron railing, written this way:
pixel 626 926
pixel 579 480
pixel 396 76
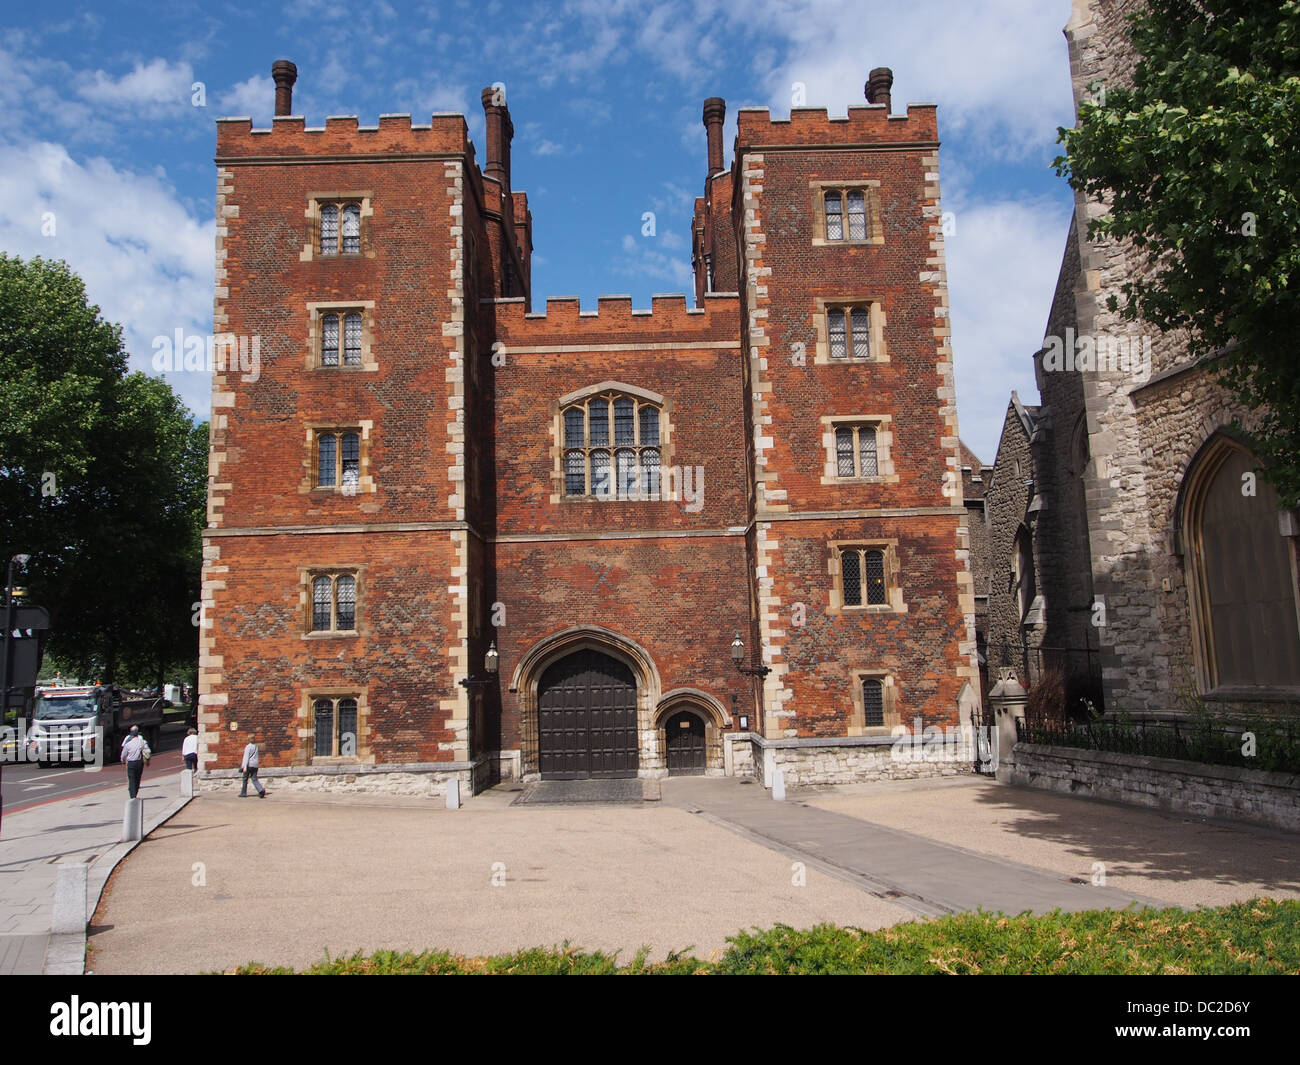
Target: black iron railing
pixel 1268 744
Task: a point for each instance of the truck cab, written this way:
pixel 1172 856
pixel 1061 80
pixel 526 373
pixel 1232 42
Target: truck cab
pixel 70 724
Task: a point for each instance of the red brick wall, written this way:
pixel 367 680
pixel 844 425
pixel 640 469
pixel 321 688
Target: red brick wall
pixel 677 582
pixel 919 648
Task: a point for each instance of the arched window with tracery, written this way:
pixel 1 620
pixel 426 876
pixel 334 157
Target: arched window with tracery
pixel 612 445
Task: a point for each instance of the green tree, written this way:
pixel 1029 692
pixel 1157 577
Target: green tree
pixel 102 477
pixel 1199 163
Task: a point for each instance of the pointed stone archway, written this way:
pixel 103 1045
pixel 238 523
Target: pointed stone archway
pixel 689 727
pixel 587 696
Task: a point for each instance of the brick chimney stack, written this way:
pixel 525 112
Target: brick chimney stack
pixel 715 111
pixel 879 82
pixel 500 132
pixel 285 74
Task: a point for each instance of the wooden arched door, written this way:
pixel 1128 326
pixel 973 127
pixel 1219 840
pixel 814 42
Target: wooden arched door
pixel 586 718
pixel 684 740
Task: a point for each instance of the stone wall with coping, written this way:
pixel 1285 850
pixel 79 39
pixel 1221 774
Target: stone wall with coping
pixel 415 778
pixel 849 760
pixel 1228 792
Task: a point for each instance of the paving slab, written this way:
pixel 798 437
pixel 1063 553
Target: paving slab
pixel 1179 858
pixel 230 882
pixel 37 842
pixel 935 876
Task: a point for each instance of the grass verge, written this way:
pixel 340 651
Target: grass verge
pixel 1261 936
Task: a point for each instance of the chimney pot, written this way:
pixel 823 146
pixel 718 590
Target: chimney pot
pixel 284 74
pixel 500 132
pixel 879 82
pixel 715 112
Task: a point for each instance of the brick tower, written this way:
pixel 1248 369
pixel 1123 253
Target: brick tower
pixel 424 478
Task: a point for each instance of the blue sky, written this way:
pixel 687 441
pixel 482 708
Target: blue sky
pixel 99 130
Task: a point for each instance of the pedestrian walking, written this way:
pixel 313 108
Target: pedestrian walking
pixel 136 754
pixel 190 749
pixel 249 766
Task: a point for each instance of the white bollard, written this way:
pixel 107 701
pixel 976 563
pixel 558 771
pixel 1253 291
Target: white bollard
pixel 453 795
pixel 778 785
pixel 187 783
pixel 133 821
pixel 70 898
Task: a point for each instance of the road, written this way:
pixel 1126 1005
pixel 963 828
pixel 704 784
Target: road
pixel 26 784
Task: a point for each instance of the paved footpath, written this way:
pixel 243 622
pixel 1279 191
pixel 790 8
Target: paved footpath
pixel 36 840
pixel 923 875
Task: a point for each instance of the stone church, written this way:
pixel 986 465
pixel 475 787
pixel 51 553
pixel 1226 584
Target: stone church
pixel 453 536
pixel 1134 546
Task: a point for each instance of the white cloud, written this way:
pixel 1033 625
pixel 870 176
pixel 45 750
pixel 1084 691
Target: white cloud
pixel 998 70
pixel 548 147
pixel 146 261
pixel 148 88
pixel 254 97
pixel 1003 262
pixel 643 259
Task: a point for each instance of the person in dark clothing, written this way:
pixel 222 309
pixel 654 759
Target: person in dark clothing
pixel 136 754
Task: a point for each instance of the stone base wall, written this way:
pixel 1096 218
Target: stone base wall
pixel 738 755
pixel 422 779
pixel 1250 795
pixel 845 760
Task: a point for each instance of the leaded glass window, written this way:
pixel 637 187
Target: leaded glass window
pixel 855 203
pixel 575 473
pixel 848 331
pixel 600 473
pixel 625 463
pixel 340 228
pixel 351 228
pixel 335 723
pixel 861 329
pixel 611 448
pixel 863 577
pixel 649 425
pixel 326 457
pixel 573 427
pixel 329 229
pixel 855 451
pixel 338 459
pixel 352 340
pixel 334 603
pixel 851 575
pixel 347 726
pixel 837 325
pixel 873 701
pixel 834 217
pixel 844 452
pixel 346 598
pixel 650 471
pixel 874 564
pixel 323 711
pixel 351 459
pixel 857 216
pixel 868 465
pixel 329 340
pixel 322 596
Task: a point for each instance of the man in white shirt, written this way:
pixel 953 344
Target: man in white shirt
pixel 190 750
pixel 249 766
pixel 135 752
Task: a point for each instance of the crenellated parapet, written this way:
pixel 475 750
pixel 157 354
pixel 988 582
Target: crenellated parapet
pixel 869 124
pixel 342 135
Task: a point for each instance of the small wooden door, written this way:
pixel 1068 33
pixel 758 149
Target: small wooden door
pixel 684 734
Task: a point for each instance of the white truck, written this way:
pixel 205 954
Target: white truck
pixel 69 724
